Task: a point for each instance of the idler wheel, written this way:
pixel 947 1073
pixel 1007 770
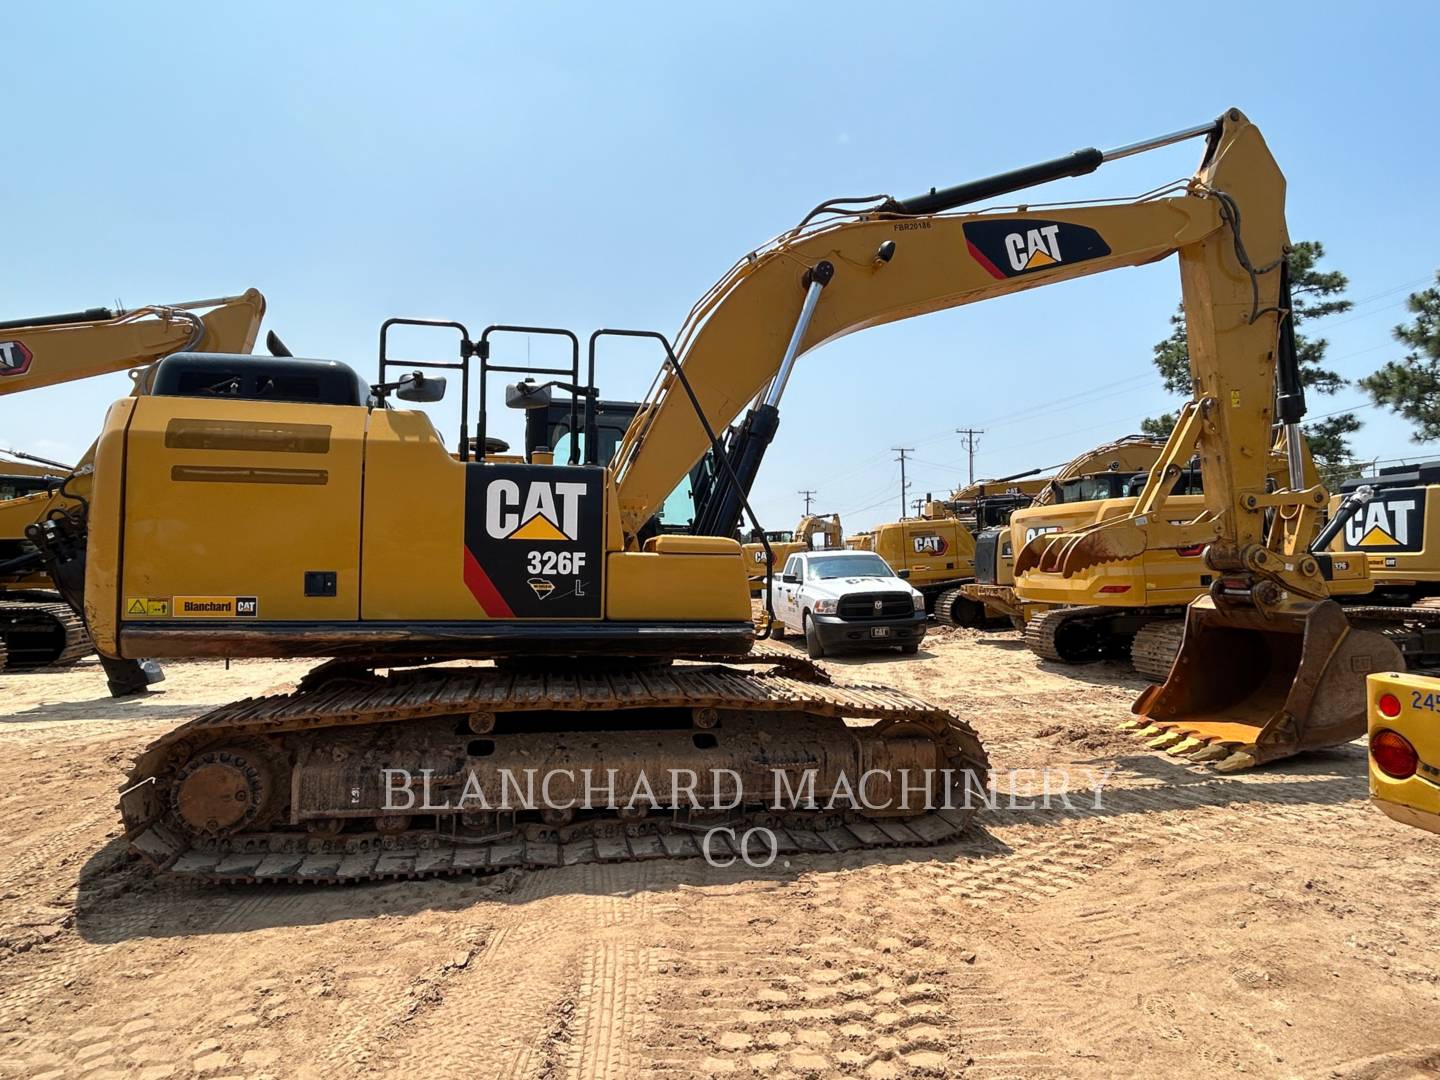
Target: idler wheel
pixel 221 790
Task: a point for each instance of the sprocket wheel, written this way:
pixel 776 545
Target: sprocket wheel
pixel 223 789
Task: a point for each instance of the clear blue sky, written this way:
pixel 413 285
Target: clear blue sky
pixel 589 165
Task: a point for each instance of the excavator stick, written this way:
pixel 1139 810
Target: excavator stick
pixel 1248 687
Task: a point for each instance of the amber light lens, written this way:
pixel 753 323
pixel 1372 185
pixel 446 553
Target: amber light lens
pixel 1393 754
pixel 1389 705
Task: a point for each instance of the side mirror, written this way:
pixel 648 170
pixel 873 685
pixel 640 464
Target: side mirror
pixel 790 579
pixel 527 395
pixel 420 387
pixel 902 573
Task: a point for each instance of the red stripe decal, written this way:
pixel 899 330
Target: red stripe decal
pixel 483 589
pixel 983 261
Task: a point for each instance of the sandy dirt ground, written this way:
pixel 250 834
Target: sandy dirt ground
pixel 1268 923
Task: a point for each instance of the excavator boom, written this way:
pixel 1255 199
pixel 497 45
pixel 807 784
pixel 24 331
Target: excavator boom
pixel 50 349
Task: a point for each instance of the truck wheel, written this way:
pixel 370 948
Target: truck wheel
pixel 910 648
pixel 813 646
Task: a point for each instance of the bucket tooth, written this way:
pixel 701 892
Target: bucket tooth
pixel 1236 762
pixel 1162 742
pixel 1213 752
pixel 1189 744
pixel 1149 731
pixel 1130 725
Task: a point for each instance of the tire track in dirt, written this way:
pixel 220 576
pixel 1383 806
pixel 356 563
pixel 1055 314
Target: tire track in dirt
pixel 827 982
pixel 554 991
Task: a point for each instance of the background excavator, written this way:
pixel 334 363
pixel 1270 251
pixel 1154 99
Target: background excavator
pixel 37 628
pixel 1079 485
pixel 1398 533
pixel 1130 609
pixel 304 516
pixel 935 551
pixel 931 553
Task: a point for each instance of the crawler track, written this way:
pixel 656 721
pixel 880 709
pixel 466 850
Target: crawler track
pixel 40 632
pixel 1155 646
pixel 955 609
pixel 303 768
pixel 1064 634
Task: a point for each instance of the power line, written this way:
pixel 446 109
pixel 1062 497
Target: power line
pixel 972 436
pixel 902 451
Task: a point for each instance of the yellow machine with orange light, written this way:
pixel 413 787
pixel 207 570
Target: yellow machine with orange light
pixel 1404 751
pixel 303 514
pixel 38 629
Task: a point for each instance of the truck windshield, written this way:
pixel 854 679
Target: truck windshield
pixel 849 566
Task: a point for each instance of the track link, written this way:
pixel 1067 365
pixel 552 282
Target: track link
pixel 953 608
pixel 788 713
pixel 41 633
pixel 1155 647
pixel 1051 635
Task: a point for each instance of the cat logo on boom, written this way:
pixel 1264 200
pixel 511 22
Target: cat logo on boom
pixel 14 358
pixel 1008 249
pixel 545 511
pixel 1394 521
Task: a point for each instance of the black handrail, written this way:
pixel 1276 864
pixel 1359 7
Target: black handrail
pixel 715 447
pixel 483 350
pixel 467 350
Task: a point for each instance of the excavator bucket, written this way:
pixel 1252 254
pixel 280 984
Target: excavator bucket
pixel 1249 687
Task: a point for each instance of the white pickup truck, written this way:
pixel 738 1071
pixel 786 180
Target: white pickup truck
pixel 846 599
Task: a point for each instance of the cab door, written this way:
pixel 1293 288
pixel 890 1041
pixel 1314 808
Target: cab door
pixel 787 602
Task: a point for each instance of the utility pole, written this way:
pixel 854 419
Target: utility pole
pixel 902 451
pixel 972 437
pixel 808 495
pixel 919 505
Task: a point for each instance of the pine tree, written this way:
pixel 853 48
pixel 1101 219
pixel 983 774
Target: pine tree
pixel 1411 386
pixel 1314 293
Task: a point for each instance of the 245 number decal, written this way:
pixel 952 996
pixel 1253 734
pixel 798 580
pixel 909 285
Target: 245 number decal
pixel 1424 701
pixel 554 562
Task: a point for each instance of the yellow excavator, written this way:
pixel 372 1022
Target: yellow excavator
pixel 1079 485
pixel 936 550
pixel 37 628
pixel 984 504
pixel 1398 534
pixel 303 515
pixel 1130 609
